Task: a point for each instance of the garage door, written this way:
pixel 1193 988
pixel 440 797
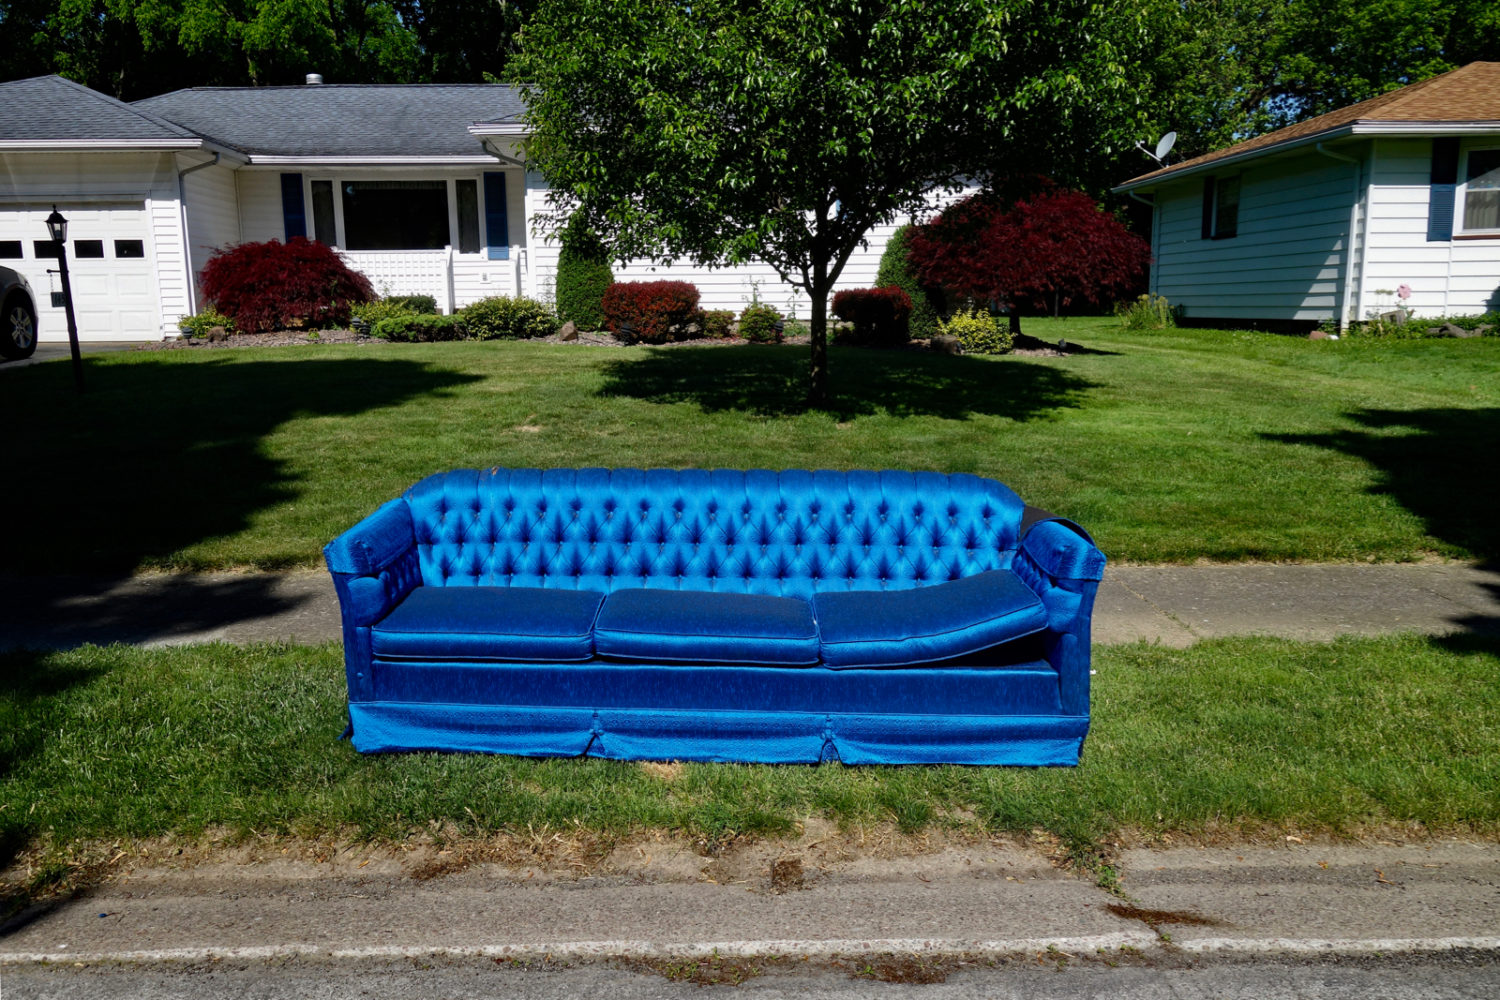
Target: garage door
pixel 110 262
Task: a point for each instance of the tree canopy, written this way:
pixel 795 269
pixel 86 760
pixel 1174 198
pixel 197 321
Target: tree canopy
pixel 784 131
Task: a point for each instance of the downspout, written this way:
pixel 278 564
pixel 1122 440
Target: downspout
pixel 1150 274
pixel 1342 316
pixel 187 243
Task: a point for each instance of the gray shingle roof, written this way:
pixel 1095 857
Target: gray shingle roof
pixel 341 120
pixel 49 108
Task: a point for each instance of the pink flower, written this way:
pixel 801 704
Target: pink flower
pixel 1403 292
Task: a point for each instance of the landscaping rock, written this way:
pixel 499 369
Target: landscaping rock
pixel 1449 330
pixel 944 344
pixel 1434 331
pixel 1483 329
pixel 569 331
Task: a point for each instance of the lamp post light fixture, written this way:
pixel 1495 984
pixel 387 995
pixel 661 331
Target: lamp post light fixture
pixel 57 228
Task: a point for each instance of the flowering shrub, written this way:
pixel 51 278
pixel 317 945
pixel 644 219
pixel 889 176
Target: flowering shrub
pixel 978 332
pixel 758 325
pixel 275 285
pixel 655 310
pixel 879 315
pixel 502 318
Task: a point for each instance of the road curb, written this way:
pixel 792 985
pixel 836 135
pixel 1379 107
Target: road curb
pixel 568 951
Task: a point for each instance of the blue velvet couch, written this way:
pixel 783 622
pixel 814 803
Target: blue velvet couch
pixel 871 617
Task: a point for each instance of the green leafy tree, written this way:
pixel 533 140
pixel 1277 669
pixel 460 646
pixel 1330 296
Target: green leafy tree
pixel 728 130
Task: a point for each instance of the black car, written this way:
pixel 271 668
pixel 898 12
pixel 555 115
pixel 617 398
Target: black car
pixel 17 318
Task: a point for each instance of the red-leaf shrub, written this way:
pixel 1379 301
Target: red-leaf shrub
pixel 879 315
pixel 275 285
pixel 1048 244
pixel 655 310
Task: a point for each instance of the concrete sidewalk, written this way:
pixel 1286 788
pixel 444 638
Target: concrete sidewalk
pixel 1173 605
pixel 665 900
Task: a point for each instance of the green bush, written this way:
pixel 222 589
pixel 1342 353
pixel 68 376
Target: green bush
pixel 896 270
pixel 381 309
pixel 796 328
pixel 424 305
pixel 418 328
pixel 758 325
pixel 978 332
pixel 1386 329
pixel 198 326
pixel 583 274
pixel 504 318
pixel 718 323
pixel 1490 319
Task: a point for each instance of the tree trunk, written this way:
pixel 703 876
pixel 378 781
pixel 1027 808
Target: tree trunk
pixel 1015 321
pixel 817 392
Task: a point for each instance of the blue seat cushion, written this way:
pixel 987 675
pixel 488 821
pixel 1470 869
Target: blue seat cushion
pixel 512 624
pixel 893 628
pixel 690 626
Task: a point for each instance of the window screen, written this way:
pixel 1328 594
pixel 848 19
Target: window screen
pixel 1482 190
pixel 324 230
pixel 467 195
pixel 88 249
pixel 395 215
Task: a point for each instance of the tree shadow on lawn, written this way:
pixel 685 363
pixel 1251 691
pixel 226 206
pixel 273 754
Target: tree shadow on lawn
pixel 1440 464
pixel 772 382
pixel 157 455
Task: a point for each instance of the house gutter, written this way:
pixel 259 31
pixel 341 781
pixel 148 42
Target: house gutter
pixel 187 243
pixel 1342 316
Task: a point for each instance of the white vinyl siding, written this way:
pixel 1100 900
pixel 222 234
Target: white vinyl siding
pixel 212 214
pixel 1286 260
pixel 1453 277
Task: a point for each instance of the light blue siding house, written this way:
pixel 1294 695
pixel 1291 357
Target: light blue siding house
pixel 1328 218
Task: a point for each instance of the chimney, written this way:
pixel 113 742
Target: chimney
pixel 313 79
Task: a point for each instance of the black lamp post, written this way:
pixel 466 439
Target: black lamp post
pixel 57 228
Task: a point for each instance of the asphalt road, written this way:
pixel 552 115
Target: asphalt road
pixel 1453 977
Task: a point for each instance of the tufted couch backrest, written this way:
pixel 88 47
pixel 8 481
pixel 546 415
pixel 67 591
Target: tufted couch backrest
pixel 760 532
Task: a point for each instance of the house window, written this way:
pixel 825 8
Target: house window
pixel 325 229
pixel 395 215
pixel 1221 207
pixel 44 249
pixel 84 249
pixel 10 249
pixel 132 249
pixel 1481 191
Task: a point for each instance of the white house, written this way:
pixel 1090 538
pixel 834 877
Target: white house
pixel 1328 218
pixel 422 187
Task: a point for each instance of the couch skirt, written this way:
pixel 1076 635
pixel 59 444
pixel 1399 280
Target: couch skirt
pixel 959 714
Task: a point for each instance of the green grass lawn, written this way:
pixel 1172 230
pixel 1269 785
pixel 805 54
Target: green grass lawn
pixel 1230 734
pixel 1169 446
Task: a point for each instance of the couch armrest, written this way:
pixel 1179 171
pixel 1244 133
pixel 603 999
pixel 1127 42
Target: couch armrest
pixel 374 543
pixel 1060 562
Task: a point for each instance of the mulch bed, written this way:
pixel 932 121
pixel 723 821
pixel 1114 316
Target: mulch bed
pixel 1025 346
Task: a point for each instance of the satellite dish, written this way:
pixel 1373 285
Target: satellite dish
pixel 1163 147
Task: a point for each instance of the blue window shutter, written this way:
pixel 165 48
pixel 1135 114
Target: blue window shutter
pixel 293 211
pixel 496 223
pixel 1443 189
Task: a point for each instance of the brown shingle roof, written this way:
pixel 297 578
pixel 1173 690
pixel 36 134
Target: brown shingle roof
pixel 1468 94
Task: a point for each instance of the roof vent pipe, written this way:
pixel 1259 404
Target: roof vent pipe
pixel 314 79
